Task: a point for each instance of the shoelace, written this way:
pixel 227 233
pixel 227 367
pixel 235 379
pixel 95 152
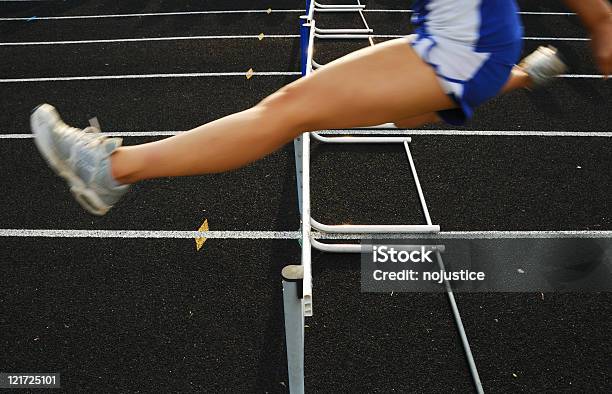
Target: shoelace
pixel 87 137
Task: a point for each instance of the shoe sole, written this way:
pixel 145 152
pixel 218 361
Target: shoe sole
pixel 43 116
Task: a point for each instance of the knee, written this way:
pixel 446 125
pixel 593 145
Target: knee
pixel 287 105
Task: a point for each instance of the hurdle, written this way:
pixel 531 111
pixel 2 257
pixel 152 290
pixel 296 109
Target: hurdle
pixel 297 279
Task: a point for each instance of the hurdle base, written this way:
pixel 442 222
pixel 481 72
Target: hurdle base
pixel 293 307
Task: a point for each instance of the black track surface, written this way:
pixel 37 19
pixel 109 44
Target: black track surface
pixel 157 316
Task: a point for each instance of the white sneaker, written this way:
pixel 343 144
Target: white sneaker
pixel 543 65
pixel 81 157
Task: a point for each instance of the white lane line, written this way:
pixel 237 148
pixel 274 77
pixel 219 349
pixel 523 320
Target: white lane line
pixel 410 132
pixel 211 74
pixel 145 76
pixel 514 133
pixel 524 38
pixel 591 76
pixel 68 233
pixel 227 12
pixel 149 234
pixel 547 13
pixel 476 235
pixel 144 39
pixel 520 12
pixel 137 15
pixel 108 133
pixel 230 37
pixel 556 39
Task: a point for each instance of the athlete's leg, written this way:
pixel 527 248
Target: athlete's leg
pixel 537 69
pixel 518 79
pixel 417 121
pixel 367 87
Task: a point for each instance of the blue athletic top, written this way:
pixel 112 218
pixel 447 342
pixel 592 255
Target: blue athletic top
pixel 486 25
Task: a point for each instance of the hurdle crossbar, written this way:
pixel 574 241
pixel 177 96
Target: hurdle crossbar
pixel 349 7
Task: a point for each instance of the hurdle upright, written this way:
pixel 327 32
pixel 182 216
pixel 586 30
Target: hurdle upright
pixel 297 279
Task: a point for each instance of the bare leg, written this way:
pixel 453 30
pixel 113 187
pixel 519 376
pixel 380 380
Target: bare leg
pixel 518 79
pixel 417 121
pixel 367 87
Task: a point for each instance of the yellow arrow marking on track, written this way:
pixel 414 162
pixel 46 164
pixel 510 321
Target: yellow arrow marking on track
pixel 249 73
pixel 200 241
pixel 269 10
pixel 261 36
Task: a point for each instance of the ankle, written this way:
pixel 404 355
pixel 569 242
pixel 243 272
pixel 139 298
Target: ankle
pixel 122 168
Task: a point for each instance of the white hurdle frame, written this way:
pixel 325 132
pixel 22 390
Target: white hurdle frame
pixel 297 279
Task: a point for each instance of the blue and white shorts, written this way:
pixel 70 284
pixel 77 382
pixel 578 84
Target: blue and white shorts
pixel 472 46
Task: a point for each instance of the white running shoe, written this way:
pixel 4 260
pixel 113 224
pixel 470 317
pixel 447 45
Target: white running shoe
pixel 543 65
pixel 81 157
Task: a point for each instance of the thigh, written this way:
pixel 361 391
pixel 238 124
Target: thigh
pixel 373 85
pixel 416 121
